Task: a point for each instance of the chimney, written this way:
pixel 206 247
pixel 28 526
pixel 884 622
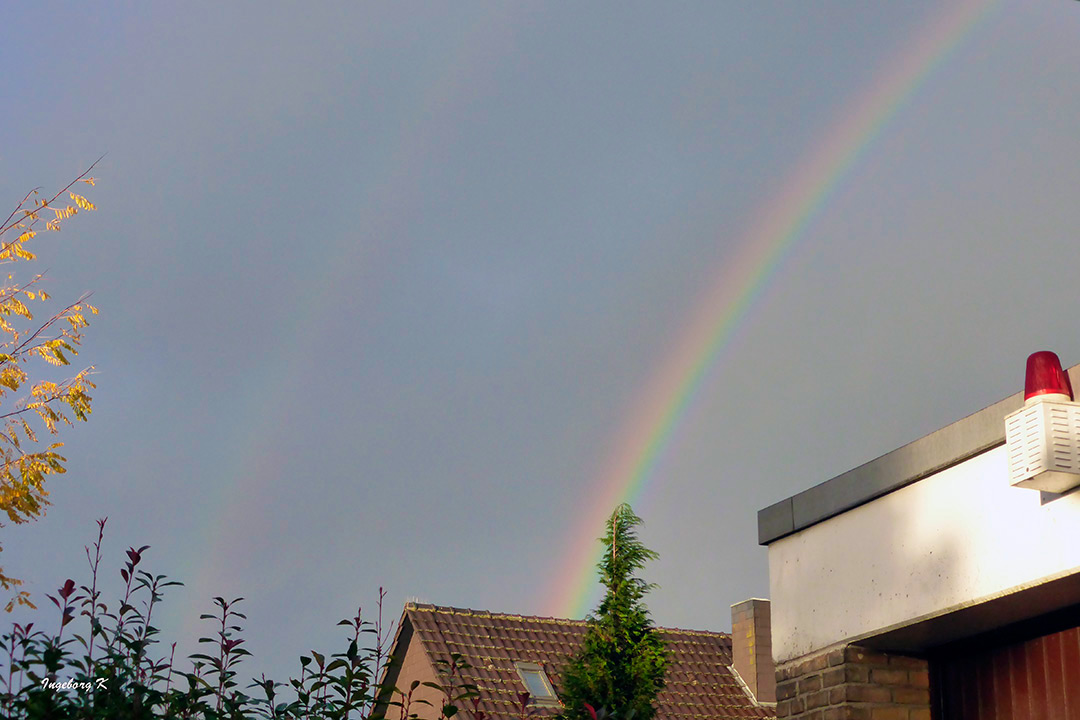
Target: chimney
pixel 751 647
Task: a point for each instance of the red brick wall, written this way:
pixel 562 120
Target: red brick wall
pixel 853 683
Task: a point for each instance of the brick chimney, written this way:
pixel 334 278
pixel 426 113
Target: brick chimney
pixel 751 647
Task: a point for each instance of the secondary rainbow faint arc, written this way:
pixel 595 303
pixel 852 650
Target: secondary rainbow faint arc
pixel 235 513
pixel 777 226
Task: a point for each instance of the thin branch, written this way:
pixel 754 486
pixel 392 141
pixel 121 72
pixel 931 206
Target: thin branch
pixel 5 227
pixel 44 205
pixel 59 395
pixel 56 317
pixel 8 294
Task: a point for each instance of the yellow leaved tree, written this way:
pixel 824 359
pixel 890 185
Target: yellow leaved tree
pixel 33 397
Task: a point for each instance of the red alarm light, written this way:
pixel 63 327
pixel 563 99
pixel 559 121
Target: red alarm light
pixel 1045 376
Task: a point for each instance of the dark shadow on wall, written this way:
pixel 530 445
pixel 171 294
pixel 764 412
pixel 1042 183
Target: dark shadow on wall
pixel 1048 497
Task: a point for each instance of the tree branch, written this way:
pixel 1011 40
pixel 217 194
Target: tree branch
pixel 8 225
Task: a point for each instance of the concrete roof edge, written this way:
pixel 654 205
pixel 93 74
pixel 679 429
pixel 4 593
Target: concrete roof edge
pixel 952 444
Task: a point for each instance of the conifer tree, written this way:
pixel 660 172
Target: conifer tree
pixel 620 667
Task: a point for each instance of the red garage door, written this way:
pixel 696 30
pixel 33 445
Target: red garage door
pixel 1015 676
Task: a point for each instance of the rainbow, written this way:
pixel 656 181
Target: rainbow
pixel 776 227
pixel 236 514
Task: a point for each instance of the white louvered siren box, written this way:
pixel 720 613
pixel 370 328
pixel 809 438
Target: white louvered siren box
pixel 1043 444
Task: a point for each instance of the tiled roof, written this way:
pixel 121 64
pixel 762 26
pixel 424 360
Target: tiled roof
pixel 699 681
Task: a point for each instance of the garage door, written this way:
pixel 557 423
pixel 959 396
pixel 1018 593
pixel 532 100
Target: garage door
pixel 1013 676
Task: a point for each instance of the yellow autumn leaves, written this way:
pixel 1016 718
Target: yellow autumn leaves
pixel 24 462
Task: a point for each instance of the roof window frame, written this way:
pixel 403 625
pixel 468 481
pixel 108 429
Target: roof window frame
pixel 549 700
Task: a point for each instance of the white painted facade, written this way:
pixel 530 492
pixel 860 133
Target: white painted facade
pixel 959 537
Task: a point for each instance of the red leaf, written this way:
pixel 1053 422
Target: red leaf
pixel 67 589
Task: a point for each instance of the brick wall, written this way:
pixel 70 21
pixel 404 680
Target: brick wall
pixel 412 663
pixel 751 647
pixel 853 683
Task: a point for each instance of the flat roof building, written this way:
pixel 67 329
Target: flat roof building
pixel 925 584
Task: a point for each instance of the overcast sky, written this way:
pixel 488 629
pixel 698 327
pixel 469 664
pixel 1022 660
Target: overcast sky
pixel 384 288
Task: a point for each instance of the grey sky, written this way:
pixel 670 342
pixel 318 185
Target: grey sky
pixel 380 282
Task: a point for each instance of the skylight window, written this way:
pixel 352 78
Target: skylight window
pixel 537 683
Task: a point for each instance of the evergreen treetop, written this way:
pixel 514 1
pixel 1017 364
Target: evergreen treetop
pixel 621 664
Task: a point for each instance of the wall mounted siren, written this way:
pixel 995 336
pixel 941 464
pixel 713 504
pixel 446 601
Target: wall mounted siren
pixel 1043 437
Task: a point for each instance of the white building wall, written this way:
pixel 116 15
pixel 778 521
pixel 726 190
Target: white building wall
pixel 955 538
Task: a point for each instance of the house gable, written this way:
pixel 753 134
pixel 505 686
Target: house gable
pixel 409 663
